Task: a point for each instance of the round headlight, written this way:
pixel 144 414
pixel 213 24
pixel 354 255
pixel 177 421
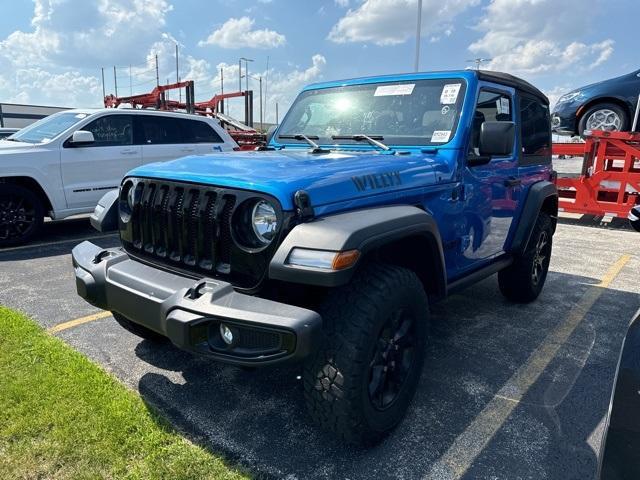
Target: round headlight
pixel 264 221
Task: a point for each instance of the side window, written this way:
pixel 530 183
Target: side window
pixel 491 107
pixel 195 131
pixel 534 128
pixel 111 131
pixel 157 130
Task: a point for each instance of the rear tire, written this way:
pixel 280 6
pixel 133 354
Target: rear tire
pixel 523 280
pixel 604 116
pixel 138 330
pixel 360 382
pixel 21 215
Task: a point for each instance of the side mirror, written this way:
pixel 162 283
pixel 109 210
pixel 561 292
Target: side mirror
pixel 105 216
pixel 271 132
pixel 82 137
pixel 497 138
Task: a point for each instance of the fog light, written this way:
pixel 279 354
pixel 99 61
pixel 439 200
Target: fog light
pixel 227 334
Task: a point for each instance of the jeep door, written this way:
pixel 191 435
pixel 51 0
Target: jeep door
pixel 492 187
pixel 162 138
pixel 88 171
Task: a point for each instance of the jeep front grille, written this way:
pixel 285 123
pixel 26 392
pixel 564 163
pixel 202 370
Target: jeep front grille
pixel 188 226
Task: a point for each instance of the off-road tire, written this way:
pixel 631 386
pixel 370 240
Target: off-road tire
pixel 621 112
pixel 17 205
pixel 519 282
pixel 138 330
pixel 337 378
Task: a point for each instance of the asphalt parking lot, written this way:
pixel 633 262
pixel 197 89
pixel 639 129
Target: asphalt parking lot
pixel 508 391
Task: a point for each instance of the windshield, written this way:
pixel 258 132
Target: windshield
pixel 415 112
pixel 48 128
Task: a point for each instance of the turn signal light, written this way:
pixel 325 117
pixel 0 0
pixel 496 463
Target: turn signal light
pixel 345 259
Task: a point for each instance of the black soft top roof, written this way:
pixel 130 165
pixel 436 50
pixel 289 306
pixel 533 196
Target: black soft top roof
pixel 510 80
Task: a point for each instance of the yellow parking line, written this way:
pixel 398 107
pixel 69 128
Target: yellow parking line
pixel 470 443
pixel 78 321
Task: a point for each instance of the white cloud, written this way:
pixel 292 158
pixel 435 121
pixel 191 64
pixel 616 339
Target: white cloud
pixel 538 36
pixel 68 37
pixel 390 22
pixel 83 34
pixel 342 3
pixel 283 87
pixel 63 87
pixel 237 33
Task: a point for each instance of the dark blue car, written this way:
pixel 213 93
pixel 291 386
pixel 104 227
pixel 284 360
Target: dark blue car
pixel 607 105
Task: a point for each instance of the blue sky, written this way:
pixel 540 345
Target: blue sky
pixel 51 51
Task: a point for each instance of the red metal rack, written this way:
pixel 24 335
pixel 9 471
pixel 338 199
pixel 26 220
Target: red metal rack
pixel 609 182
pixel 243 133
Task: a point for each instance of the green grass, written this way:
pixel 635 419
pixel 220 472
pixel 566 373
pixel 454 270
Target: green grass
pixel 63 417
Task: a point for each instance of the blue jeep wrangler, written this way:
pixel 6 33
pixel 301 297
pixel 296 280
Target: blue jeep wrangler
pixel 374 197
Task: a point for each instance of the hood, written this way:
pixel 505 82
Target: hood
pixel 328 178
pixel 7 147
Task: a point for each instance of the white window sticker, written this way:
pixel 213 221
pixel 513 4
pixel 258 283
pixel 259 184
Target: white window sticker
pixel 504 105
pixel 441 136
pixel 449 93
pixel 386 90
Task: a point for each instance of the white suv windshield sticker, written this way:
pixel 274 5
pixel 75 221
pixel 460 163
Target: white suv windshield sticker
pixel 449 93
pixel 385 90
pixel 440 136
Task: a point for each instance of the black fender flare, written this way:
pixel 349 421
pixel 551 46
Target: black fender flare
pixel 364 230
pixel 538 193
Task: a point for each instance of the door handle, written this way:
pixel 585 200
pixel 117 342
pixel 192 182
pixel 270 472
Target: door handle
pixel 512 182
pixel 129 151
pixel 188 150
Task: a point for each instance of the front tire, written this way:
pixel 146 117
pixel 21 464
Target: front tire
pixel 138 330
pixel 604 116
pixel 21 215
pixel 361 381
pixel 523 280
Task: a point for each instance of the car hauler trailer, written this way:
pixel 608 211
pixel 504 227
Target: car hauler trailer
pixel 608 184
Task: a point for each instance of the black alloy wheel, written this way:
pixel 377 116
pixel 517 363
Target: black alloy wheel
pixel 542 252
pixel 21 215
pixel 392 360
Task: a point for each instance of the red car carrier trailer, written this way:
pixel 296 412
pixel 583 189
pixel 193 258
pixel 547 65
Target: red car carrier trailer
pixel 609 182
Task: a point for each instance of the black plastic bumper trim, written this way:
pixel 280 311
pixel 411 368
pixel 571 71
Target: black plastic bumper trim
pixel 165 302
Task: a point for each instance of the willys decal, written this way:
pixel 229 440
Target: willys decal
pixel 374 181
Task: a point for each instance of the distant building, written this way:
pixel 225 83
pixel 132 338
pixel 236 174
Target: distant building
pixel 14 115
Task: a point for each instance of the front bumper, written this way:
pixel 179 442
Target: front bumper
pixel 563 119
pixel 189 312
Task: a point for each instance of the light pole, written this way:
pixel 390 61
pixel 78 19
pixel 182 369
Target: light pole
pixel 246 71
pixel 259 78
pixel 479 61
pixel 418 33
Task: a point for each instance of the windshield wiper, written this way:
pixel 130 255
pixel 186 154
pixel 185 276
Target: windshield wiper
pixel 8 139
pixel 373 140
pixel 315 148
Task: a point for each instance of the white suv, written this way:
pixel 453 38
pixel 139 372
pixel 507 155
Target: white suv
pixel 63 164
